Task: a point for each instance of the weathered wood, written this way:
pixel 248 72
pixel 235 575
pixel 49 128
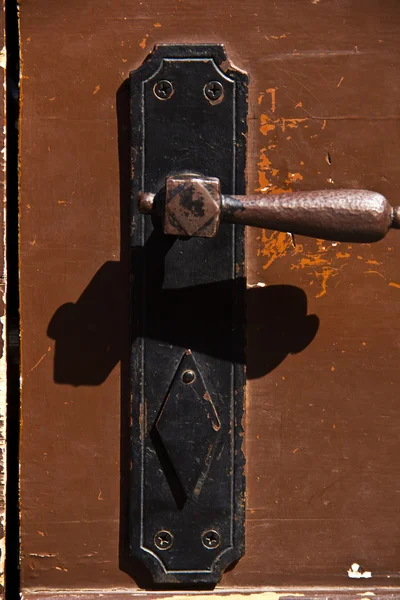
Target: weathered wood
pixel 323 342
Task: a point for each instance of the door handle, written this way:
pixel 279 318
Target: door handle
pixel 192 205
pixel 188 111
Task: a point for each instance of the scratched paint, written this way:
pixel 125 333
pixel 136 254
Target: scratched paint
pixel 322 261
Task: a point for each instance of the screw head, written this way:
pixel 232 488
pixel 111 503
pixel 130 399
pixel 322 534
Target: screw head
pixel 163 89
pixel 213 90
pixel 211 539
pixel 188 376
pixel 163 540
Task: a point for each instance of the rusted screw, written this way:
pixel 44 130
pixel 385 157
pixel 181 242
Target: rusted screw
pixel 163 89
pixel 213 90
pixel 188 376
pixel 163 540
pixel 211 539
pixel 145 202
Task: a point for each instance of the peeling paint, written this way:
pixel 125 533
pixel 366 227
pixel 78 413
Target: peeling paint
pixel 357 572
pixel 268 124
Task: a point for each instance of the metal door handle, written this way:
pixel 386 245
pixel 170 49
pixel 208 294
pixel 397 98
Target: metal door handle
pixel 192 205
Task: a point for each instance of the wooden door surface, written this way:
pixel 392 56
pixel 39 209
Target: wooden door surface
pixel 322 418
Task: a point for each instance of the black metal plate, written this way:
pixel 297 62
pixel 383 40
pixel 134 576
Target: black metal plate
pixel 187 295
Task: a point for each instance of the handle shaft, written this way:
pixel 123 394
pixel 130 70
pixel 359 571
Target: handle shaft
pixel 192 205
pixel 340 215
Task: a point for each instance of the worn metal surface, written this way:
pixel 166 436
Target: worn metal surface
pixel 187 379
pixel 194 206
pixel 337 215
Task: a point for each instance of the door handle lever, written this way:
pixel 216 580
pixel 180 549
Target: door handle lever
pixel 192 205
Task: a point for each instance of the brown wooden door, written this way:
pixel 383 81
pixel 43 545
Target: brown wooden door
pixel 322 422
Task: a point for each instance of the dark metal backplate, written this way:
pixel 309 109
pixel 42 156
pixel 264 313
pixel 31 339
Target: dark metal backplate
pixel 188 314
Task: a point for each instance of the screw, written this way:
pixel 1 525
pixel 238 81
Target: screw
pixel 211 539
pixel 188 377
pixel 163 89
pixel 163 540
pixel 213 90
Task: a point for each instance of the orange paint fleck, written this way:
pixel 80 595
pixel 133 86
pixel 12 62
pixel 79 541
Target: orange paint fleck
pixel 326 274
pixel 292 177
pixel 332 368
pixel 342 255
pixel 373 262
pixel 393 284
pixel 272 91
pixel 275 246
pixel 144 41
pixel 340 82
pixel 299 105
pixel 157 25
pixel 323 124
pixel 295 450
pixel 260 98
pixel 266 124
pixel 96 89
pixel 265 173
